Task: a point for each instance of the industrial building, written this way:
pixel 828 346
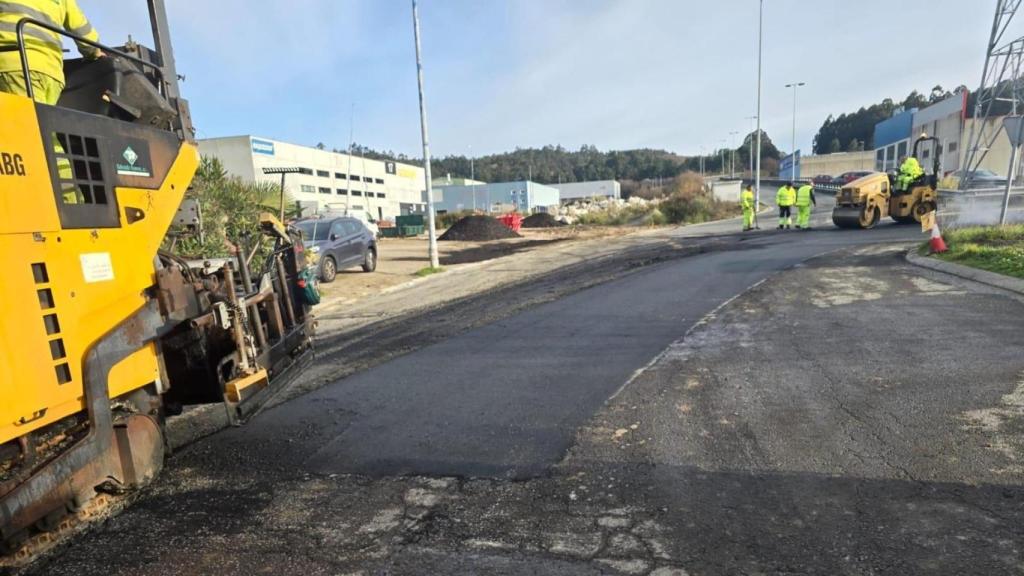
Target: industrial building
pixel 327 179
pixel 946 120
pixel 596 189
pixel 523 196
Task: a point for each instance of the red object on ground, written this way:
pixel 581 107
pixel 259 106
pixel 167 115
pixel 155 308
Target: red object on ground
pixel 513 221
pixel 938 245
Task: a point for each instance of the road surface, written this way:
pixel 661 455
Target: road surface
pixel 753 406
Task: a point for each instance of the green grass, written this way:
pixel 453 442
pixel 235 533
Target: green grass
pixel 996 249
pixel 424 272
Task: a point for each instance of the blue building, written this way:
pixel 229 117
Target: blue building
pixel 524 196
pixel 892 139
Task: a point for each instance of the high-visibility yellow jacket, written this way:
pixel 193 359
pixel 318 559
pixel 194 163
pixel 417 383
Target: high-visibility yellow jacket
pixel 805 195
pixel 786 196
pixel 44 48
pixel 747 199
pixel 911 169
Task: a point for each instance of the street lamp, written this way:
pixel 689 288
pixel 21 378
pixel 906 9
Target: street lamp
pixel 794 86
pixel 732 161
pixel 721 153
pixel 431 226
pixel 751 144
pixel 284 172
pixel 760 52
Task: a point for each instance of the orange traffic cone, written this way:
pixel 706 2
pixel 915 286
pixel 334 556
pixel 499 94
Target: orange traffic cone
pixel 938 245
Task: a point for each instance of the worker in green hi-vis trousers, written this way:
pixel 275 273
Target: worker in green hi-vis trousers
pixel 804 200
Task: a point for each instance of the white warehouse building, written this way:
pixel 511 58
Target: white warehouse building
pixel 329 180
pixel 595 189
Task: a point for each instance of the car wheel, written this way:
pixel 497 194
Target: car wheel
pixel 328 270
pixel 370 261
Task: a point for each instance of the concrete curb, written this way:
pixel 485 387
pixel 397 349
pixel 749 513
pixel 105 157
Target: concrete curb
pixel 981 276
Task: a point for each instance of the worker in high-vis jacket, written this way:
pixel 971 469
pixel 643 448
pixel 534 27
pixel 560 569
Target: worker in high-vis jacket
pixel 804 200
pixel 785 199
pixel 910 171
pixel 44 48
pixel 747 202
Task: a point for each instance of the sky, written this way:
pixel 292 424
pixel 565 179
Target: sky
pixel 618 74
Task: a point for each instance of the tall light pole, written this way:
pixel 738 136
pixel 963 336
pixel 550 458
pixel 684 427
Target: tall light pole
pixel 751 144
pixel 757 171
pixel 792 152
pixel 721 153
pixel 472 176
pixel 431 227
pixel 732 161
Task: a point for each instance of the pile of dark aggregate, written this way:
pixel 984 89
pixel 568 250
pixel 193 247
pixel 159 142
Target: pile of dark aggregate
pixel 542 220
pixel 478 229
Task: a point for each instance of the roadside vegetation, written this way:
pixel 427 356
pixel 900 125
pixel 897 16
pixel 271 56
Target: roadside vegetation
pixel 993 248
pixel 684 200
pixel 230 210
pixel 428 271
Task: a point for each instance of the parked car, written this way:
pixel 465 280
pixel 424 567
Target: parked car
pixel 847 177
pixel 982 179
pixel 821 179
pixel 339 243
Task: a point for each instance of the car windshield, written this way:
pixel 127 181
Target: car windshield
pixel 315 230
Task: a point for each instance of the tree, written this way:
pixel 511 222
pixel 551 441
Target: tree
pixel 321 146
pixel 855 146
pixel 230 210
pixel 938 94
pixel 835 146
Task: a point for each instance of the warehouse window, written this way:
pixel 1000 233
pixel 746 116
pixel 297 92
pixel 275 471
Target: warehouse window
pixel 339 175
pixel 308 189
pixel 342 192
pixel 306 171
pixel 357 207
pixel 353 177
pixel 379 180
pixel 325 190
pixel 380 194
pixel 952 147
pixel 323 173
pixel 357 193
pixel 367 179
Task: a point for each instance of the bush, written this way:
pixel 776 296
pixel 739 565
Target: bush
pixel 230 211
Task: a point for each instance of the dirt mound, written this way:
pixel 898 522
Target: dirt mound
pixel 478 229
pixel 541 220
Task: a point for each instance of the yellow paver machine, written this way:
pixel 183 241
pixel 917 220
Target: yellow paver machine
pixel 103 334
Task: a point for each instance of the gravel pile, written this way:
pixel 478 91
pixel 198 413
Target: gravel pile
pixel 478 229
pixel 542 220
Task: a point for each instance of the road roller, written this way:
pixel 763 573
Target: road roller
pixel 864 202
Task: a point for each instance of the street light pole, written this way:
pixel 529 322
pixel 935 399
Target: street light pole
pixel 751 144
pixel 732 159
pixel 721 154
pixel 792 152
pixel 757 172
pixel 472 176
pixel 431 225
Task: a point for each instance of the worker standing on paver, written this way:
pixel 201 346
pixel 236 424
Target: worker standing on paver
pixel 910 171
pixel 747 203
pixel 785 199
pixel 44 48
pixel 804 200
